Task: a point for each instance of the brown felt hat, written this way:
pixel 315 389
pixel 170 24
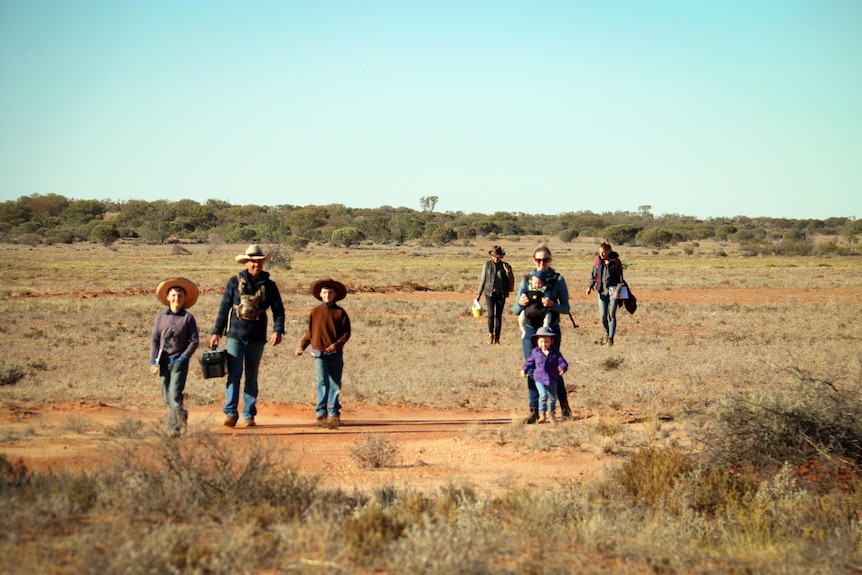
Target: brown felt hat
pixel 190 288
pixel 497 251
pixel 340 290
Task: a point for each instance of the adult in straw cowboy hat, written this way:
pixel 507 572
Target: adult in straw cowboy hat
pixel 242 317
pixel 496 283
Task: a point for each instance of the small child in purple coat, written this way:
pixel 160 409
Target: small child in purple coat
pixel 547 364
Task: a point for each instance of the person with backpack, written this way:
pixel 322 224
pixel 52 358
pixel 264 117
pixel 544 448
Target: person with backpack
pixel 558 304
pixel 242 316
pixel 497 282
pixel 606 278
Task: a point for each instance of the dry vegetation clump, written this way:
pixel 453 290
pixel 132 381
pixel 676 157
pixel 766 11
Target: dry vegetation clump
pixel 814 426
pixel 374 451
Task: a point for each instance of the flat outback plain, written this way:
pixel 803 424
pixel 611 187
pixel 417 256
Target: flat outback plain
pixel 420 383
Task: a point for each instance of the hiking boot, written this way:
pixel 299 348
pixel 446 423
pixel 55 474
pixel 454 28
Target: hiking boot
pixel 490 339
pixel 230 420
pixel 566 411
pixel 610 341
pixel 533 417
pixel 553 417
pixel 334 422
pixel 321 421
pixel 250 422
pixel 543 418
pixel 497 340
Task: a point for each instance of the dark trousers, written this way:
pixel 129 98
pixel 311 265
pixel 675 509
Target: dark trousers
pixel 495 305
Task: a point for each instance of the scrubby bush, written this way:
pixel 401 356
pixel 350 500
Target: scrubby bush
pixel 346 237
pixel 815 420
pixel 654 237
pixel 374 451
pixel 622 233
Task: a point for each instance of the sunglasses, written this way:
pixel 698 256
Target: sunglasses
pixel 542 260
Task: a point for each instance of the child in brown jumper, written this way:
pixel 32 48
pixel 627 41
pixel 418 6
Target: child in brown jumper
pixel 328 331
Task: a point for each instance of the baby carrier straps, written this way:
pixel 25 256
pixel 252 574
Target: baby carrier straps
pixel 249 304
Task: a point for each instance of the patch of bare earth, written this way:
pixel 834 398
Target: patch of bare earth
pixel 436 447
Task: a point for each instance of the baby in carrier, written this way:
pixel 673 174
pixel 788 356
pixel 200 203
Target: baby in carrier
pixel 535 313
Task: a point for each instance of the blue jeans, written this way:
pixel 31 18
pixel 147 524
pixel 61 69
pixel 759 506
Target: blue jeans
pixel 495 305
pixel 608 314
pixel 241 353
pixel 532 390
pixel 173 379
pixel 547 398
pixel 329 369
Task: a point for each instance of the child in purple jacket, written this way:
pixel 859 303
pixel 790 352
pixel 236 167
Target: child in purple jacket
pixel 547 364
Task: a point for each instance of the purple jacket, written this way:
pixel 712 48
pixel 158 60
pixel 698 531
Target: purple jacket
pixel 546 367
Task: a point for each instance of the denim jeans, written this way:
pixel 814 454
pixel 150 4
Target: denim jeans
pixel 532 390
pixel 495 305
pixel 608 314
pixel 329 369
pixel 547 398
pixel 241 353
pixel 173 379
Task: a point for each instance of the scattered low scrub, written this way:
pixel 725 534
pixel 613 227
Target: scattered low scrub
pixel 196 505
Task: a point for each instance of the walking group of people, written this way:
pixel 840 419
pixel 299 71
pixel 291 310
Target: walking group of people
pixel 242 319
pixel 542 298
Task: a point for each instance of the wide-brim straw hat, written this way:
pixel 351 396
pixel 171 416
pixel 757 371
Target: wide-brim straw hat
pixel 497 251
pixel 340 290
pixel 252 253
pixel 543 332
pixel 188 285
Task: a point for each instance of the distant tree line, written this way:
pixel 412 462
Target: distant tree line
pixel 55 219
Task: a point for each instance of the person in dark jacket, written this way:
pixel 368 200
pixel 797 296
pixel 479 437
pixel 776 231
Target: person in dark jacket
pixel 497 282
pixel 606 278
pixel 242 317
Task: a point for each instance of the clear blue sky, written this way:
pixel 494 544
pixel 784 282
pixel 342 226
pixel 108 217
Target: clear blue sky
pixel 708 108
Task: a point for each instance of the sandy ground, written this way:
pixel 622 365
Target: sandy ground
pixel 435 447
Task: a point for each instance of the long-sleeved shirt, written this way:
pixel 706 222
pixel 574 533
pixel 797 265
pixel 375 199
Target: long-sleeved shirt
pixel 175 335
pixel 244 329
pixel 327 325
pixel 546 367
